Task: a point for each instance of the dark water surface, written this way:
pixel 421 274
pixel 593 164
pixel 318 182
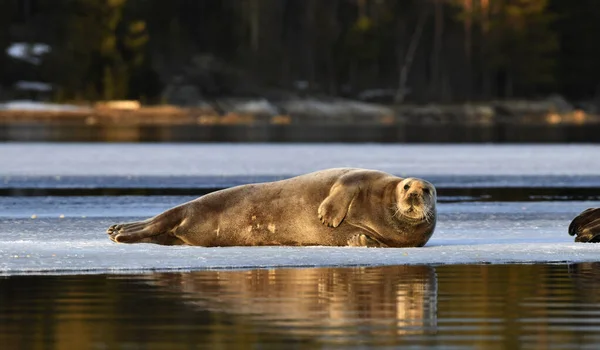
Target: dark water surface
pixel 454 306
pixel 320 132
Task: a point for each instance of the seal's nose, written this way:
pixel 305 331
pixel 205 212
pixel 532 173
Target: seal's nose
pixel 413 198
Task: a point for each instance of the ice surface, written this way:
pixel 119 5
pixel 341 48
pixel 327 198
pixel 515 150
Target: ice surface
pixel 220 181
pixel 467 232
pixel 86 159
pixel 508 232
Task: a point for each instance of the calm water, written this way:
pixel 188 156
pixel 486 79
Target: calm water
pixel 460 306
pixel 318 132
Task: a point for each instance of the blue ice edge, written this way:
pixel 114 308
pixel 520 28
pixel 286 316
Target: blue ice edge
pixel 221 181
pixel 102 258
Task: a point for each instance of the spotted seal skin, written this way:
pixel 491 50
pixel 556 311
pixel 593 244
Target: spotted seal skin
pixel 333 207
pixel 586 226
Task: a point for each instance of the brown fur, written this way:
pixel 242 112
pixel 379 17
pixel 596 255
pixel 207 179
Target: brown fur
pixel 334 207
pixel 586 226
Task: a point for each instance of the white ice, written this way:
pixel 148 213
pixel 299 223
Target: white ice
pixel 509 232
pixel 87 159
pixel 470 232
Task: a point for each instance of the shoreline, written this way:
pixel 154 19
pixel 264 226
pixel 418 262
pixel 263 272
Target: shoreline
pixel 404 124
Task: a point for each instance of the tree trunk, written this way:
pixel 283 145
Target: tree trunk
pixel 254 13
pixel 310 42
pixel 508 85
pixel 434 82
pixel 468 48
pixel 286 44
pixel 410 54
pixel 362 8
pixel 597 100
pixel 485 70
pixel 332 38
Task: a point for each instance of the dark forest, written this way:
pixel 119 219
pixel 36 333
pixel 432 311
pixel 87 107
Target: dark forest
pixel 383 50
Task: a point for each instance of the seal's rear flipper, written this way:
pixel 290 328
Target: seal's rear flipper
pixel 158 230
pixel 141 232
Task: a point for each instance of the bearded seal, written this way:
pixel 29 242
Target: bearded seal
pixel 333 207
pixel 586 226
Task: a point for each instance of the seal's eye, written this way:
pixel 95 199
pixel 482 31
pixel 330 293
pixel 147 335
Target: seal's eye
pixel 406 187
pixel 426 190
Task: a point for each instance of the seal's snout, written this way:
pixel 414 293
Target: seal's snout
pixel 414 198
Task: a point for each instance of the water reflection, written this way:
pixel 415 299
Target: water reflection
pixel 391 300
pixel 586 278
pixel 460 306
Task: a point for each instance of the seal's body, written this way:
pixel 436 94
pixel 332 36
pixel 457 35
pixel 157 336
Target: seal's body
pixel 586 226
pixel 334 207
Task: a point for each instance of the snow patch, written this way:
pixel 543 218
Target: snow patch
pixel 260 106
pixel 33 86
pixel 333 108
pixel 26 105
pixel 28 52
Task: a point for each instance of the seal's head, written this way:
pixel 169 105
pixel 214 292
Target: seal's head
pixel 586 226
pixel 415 200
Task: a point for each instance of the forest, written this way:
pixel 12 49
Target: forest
pixel 445 51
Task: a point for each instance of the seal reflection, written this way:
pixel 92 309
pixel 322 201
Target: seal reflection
pixel 323 302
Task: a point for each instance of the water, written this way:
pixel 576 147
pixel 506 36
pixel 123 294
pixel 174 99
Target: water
pixel 499 272
pixel 446 307
pixel 308 131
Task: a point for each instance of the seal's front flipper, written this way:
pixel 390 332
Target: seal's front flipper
pixel 335 207
pixel 362 240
